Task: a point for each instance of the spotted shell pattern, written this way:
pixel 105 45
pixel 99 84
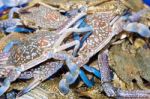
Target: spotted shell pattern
pixel 102 30
pixel 32 48
pixel 44 17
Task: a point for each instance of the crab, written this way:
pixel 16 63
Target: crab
pixel 138 67
pixel 106 26
pixel 45 46
pixel 90 48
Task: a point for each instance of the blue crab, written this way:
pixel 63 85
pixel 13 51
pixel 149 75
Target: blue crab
pixel 90 48
pixel 106 26
pixel 101 24
pixel 131 26
pixel 43 46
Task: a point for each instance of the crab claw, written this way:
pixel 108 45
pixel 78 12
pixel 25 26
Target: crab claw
pixel 139 28
pixel 63 87
pixel 69 78
pixel 5 86
pixel 143 94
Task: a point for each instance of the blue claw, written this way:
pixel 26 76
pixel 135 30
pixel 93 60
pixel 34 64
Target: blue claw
pixel 4 86
pixel 64 83
pixel 69 77
pixel 85 79
pixel 63 87
pixel 92 70
pixel 139 28
pixel 10 45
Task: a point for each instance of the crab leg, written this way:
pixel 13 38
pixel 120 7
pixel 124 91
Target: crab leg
pixel 67 25
pixel 76 42
pixel 69 77
pixel 139 28
pixel 70 31
pixel 92 70
pixel 133 94
pixel 76 37
pixel 85 79
pixel 136 16
pixel 19 29
pixel 105 75
pixel 65 46
pixel 5 85
pixel 135 27
pixel 108 87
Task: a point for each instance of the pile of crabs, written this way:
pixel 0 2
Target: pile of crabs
pixel 49 38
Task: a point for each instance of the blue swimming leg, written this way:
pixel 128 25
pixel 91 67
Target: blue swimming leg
pixel 85 79
pixel 93 70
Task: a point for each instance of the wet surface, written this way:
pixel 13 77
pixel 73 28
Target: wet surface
pixel 129 60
